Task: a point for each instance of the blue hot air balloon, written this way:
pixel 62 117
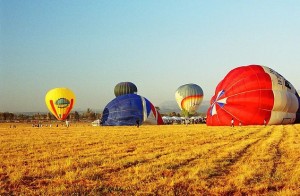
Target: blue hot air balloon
pixel 127 109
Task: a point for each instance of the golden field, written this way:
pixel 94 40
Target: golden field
pixel 149 160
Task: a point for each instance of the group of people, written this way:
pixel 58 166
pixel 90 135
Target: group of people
pixel 41 125
pixel 240 124
pixel 50 125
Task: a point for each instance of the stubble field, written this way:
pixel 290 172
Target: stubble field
pixel 149 160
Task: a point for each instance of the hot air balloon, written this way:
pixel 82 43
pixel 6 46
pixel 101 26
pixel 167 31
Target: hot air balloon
pixel 124 88
pixel 127 109
pixel 60 102
pixel 254 95
pixel 189 98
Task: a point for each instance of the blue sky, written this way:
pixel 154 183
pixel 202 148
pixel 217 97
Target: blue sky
pixel 90 46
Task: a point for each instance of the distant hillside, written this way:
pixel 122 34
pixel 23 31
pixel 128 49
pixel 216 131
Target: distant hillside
pixel 171 106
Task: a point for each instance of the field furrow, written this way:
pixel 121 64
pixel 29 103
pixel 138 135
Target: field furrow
pixel 286 177
pixel 254 170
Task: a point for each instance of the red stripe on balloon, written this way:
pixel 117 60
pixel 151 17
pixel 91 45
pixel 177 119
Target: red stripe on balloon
pixel 65 115
pixel 53 108
pixel 158 118
pixel 153 110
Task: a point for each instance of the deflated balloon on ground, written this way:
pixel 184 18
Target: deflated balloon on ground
pixel 254 95
pixel 130 109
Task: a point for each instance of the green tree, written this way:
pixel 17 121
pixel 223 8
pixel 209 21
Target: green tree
pixel 1 116
pixel 11 116
pixel 92 116
pixel 76 116
pixel 89 114
pixel 173 114
pixel 49 116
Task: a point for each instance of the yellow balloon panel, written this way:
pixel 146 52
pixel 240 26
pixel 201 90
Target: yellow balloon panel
pixel 60 102
pixel 191 103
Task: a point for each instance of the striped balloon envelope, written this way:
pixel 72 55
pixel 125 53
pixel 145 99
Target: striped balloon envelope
pixel 189 97
pixel 127 109
pixel 124 88
pixel 60 102
pixel 254 95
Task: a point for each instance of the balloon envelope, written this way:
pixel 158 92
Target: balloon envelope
pixel 60 102
pixel 252 95
pixel 189 97
pixel 127 109
pixel 124 88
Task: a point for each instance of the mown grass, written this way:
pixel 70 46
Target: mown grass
pixel 149 160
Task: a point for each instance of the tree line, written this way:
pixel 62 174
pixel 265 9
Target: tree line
pixel 88 115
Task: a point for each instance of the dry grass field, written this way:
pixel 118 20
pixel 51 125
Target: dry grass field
pixel 150 160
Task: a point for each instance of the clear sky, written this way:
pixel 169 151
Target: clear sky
pixel 90 46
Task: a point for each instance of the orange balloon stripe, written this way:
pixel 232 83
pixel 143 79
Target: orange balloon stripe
pixel 189 97
pixel 53 108
pixel 68 110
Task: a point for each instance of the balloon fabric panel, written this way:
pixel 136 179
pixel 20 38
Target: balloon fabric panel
pixel 127 109
pixel 190 103
pixel 124 111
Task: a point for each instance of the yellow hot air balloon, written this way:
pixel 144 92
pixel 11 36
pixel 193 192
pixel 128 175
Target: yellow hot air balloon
pixel 60 102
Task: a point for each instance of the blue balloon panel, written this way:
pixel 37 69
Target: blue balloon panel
pixel 126 110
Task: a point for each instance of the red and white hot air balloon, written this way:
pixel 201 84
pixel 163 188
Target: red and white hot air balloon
pixel 254 95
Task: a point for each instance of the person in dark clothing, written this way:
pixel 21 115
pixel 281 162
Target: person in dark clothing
pixel 232 122
pixel 137 122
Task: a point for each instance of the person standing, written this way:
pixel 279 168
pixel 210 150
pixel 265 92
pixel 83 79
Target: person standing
pixel 232 122
pixel 67 123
